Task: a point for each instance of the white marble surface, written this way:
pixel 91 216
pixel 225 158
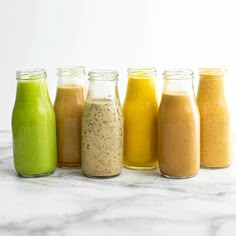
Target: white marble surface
pixel 135 203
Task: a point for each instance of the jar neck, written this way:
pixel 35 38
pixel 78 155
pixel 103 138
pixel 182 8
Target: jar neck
pixel 212 82
pixel 214 87
pixel 103 85
pixel 102 90
pixel 70 81
pixel 32 92
pixel 178 82
pixel 213 78
pixel 71 76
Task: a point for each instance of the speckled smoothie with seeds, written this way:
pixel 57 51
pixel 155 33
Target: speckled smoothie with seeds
pixel 102 138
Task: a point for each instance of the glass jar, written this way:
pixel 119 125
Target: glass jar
pixel 69 105
pixel 102 126
pixel 215 127
pixel 140 119
pixel 33 126
pixel 178 126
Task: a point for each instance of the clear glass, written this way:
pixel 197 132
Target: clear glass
pixel 71 76
pixel 178 126
pixel 215 123
pixel 69 106
pixel 140 119
pixel 33 126
pixel 102 126
pixel 31 74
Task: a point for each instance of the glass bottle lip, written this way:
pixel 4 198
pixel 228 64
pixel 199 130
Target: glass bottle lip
pixel 31 74
pixel 142 71
pixel 103 75
pixel 71 71
pixel 178 74
pixel 213 71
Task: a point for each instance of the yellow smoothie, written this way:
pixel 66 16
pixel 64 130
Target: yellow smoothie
pixel 215 127
pixel 140 122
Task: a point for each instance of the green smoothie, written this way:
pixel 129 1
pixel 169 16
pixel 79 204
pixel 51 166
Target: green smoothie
pixel 33 128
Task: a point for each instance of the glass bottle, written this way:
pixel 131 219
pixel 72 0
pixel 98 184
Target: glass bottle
pixel 33 126
pixel 215 125
pixel 102 126
pixel 140 119
pixel 69 105
pixel 178 126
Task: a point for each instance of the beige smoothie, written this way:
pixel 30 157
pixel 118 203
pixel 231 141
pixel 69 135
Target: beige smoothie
pixel 102 138
pixel 178 135
pixel 69 105
pixel 215 127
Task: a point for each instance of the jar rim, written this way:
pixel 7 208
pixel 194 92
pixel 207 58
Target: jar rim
pixel 143 68
pixel 217 71
pixel 103 75
pixel 71 71
pixel 178 74
pixel 31 74
pixel 141 71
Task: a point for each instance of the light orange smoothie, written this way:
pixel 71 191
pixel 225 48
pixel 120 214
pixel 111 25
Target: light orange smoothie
pixel 69 105
pixel 215 127
pixel 140 123
pixel 178 135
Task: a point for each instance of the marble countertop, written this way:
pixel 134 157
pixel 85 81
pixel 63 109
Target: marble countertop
pixel 135 203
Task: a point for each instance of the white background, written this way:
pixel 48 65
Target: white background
pixel 113 34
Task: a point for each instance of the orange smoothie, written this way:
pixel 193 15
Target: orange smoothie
pixel 140 122
pixel 215 127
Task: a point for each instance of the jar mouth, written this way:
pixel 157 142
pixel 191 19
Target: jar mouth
pixel 103 75
pixel 142 71
pixel 31 74
pixel 178 74
pixel 217 71
pixel 71 71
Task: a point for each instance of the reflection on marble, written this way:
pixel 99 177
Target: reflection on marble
pixel 135 203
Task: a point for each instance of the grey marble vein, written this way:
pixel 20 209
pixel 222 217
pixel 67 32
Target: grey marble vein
pixel 135 203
